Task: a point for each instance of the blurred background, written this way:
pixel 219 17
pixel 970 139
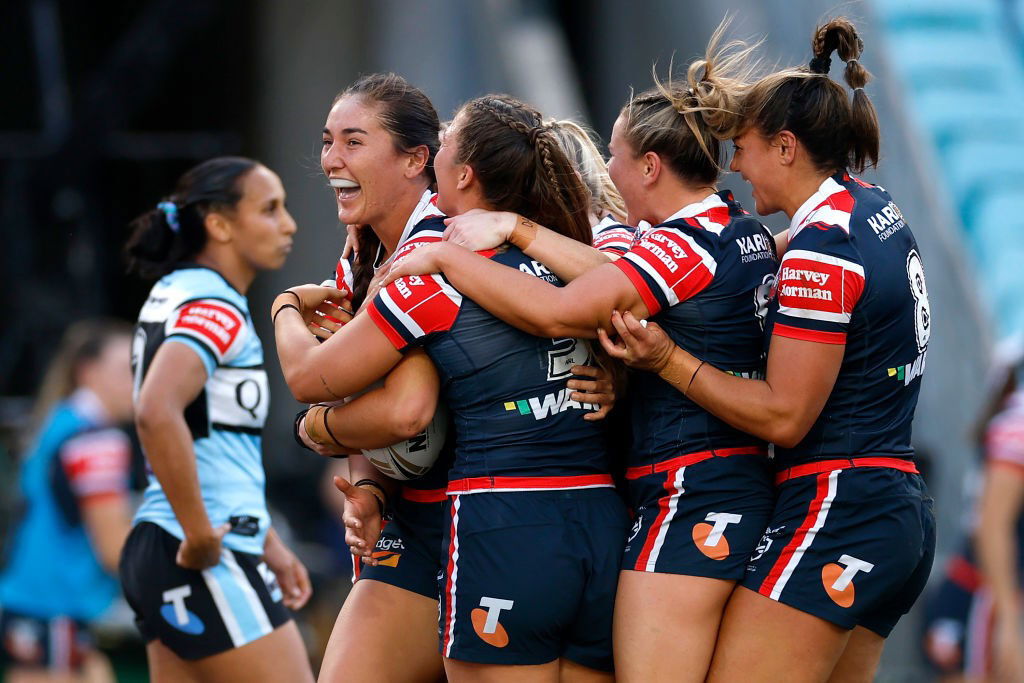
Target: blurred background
pixel 107 102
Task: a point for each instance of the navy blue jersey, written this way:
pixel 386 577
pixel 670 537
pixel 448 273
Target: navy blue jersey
pixel 704 274
pixel 426 219
pixel 612 237
pixel 515 423
pixel 852 274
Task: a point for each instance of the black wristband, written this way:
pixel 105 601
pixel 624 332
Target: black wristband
pixel 273 321
pixel 299 416
pixel 382 499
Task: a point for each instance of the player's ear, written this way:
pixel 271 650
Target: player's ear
pixel 218 227
pixel 417 161
pixel 651 168
pixel 466 177
pixel 785 144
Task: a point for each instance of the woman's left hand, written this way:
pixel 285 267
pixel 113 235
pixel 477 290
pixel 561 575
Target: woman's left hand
pixel 308 297
pixel 423 260
pixel 479 229
pixel 600 391
pixel 291 574
pixel 642 345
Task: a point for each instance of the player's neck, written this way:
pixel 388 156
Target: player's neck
pixel 389 229
pixel 231 266
pixel 672 199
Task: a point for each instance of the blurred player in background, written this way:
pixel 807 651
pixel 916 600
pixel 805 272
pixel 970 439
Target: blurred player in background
pixel 698 516
pixel 851 539
pixel 62 557
pixel 994 648
pixel 206 575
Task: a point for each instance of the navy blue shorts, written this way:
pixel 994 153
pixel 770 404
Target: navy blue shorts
pixel 700 519
pixel 197 613
pixel 409 549
pixel 56 644
pixel 851 546
pixel 531 576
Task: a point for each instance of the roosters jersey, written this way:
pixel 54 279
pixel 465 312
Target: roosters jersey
pixel 852 274
pixel 515 423
pixel 612 237
pixel 426 216
pixel 196 306
pixel 704 274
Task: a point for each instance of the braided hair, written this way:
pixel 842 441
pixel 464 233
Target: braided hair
pixel 521 166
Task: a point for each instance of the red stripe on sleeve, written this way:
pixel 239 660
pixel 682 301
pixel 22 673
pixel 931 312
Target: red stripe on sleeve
pixel 393 335
pixel 805 334
pixel 643 289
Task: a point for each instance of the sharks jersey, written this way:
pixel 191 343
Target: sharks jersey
pixel 516 426
pixel 705 274
pixel 196 306
pixel 852 274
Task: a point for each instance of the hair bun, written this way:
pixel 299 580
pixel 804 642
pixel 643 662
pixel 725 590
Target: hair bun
pixel 820 65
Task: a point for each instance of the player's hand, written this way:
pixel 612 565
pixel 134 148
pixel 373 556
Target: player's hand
pixel 329 317
pixel 309 297
pixel 599 391
pixel 352 233
pixel 1007 657
pixel 643 346
pixel 318 448
pixel 292 576
pixel 361 518
pixel 201 552
pixel 479 229
pixel 421 261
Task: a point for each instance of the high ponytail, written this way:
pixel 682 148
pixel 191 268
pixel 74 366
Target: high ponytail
pixel 837 131
pixel 685 122
pixel 175 230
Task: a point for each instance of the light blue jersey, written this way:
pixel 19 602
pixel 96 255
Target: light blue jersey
pixel 51 569
pixel 196 306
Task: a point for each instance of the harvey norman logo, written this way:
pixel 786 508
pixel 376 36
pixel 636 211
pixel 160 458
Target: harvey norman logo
pixel 790 275
pixel 547 405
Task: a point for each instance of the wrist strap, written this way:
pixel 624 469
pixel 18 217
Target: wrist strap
pixel 273 319
pixel 693 377
pixel 381 498
pixel 299 416
pixel 524 233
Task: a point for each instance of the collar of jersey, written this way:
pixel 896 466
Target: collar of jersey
pixel 828 187
pixel 690 210
pixel 424 209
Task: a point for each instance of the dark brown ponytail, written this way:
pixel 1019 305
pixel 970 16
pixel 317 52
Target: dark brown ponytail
pixel 837 132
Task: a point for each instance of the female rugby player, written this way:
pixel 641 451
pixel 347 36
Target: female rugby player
pixel 207 576
pixel 701 489
pixel 62 558
pixel 530 485
pixel 851 539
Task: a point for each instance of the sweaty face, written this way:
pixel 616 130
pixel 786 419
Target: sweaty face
pixel 360 160
pixel 261 227
pixel 447 170
pixel 756 160
pixel 626 171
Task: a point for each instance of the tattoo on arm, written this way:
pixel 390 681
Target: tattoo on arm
pixel 324 382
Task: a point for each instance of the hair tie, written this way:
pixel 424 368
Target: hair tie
pixel 856 89
pixel 170 210
pixel 820 65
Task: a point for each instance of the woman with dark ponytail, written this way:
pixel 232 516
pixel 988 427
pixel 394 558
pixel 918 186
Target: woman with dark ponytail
pixel 530 485
pixel 851 539
pixel 208 578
